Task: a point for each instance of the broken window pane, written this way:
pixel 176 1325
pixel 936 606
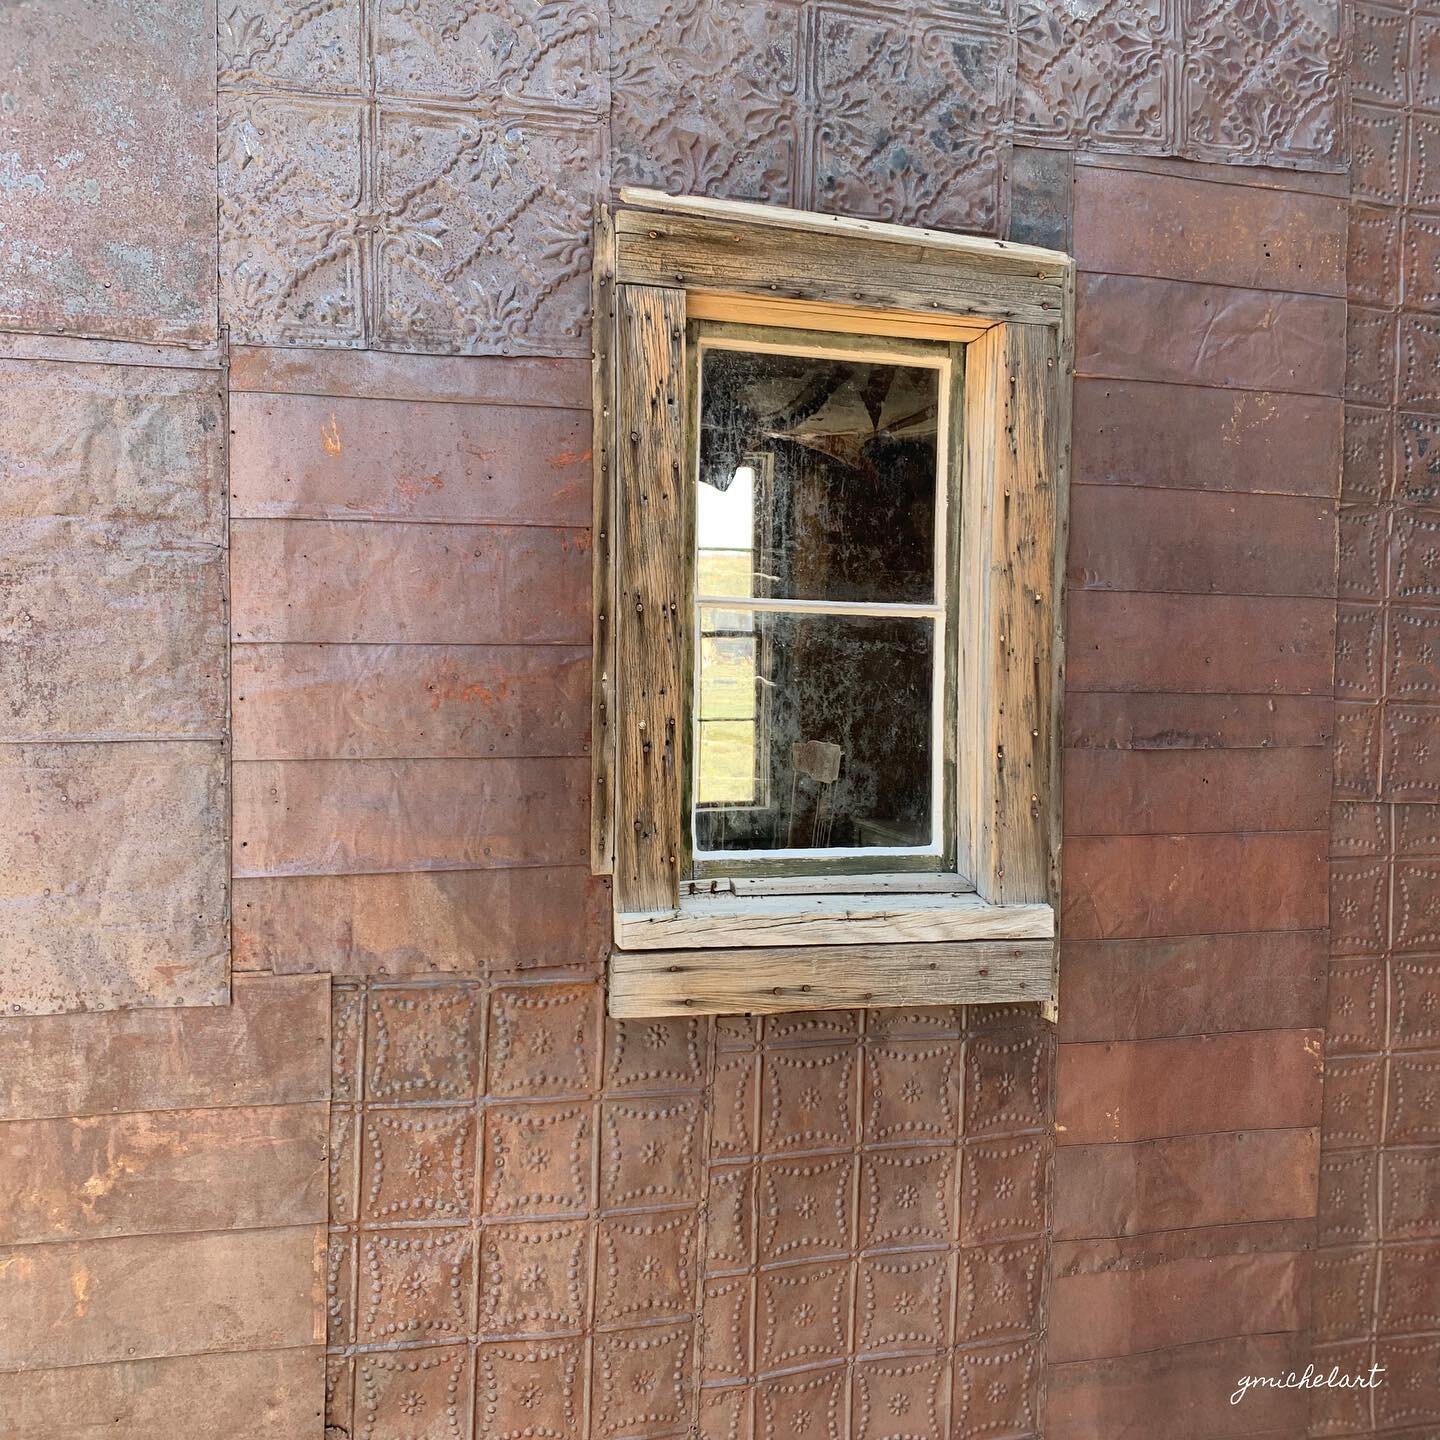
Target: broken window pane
pixel 817 478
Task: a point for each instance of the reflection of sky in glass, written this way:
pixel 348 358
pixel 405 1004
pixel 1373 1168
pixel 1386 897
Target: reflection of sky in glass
pixel 725 520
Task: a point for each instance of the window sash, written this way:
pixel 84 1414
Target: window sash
pixel 937 854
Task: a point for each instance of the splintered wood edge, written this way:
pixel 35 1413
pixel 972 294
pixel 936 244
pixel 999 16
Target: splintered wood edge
pixel 740 309
pixel 830 977
pixel 784 218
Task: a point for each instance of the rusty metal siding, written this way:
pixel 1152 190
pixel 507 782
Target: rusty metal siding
pixel 165 1206
pixel 113 671
pixel 1202 619
pixel 762 1240
pixel 107 214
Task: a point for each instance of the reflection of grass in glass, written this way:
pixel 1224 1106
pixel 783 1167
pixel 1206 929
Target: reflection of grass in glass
pixel 725 572
pixel 727 763
pixel 727 677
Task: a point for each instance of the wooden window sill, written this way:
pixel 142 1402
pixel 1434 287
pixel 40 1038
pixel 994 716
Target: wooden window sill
pixel 725 921
pixel 759 980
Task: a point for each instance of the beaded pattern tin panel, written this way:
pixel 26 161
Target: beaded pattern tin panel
pixel 547 1224
pixel 1375 1300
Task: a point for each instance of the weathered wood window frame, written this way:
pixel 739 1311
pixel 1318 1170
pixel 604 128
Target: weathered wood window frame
pixel 982 931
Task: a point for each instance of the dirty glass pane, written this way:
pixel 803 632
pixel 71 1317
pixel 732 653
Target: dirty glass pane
pixel 817 478
pixel 814 732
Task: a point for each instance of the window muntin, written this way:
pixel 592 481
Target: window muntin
pixel 822 660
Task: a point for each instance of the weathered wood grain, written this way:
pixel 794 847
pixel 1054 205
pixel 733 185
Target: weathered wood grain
pixel 339 817
pixel 269 1046
pixel 135 1298
pixel 1188 1085
pixel 470 922
pixel 357 582
pixel 602 537
pixel 1003 255
pixel 1012 512
pixel 828 977
pixel 338 702
pixel 830 319
pixel 652 592
pixel 162 1172
pixel 255 1395
pixel 324 457
pixel 738 254
pixel 773 920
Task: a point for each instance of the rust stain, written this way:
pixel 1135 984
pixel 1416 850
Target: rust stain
pixel 80 1289
pixel 565 458
pixel 413 487
pixel 472 694
pixel 330 436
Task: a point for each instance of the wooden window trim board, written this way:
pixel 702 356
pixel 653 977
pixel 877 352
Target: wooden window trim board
pixel 988 936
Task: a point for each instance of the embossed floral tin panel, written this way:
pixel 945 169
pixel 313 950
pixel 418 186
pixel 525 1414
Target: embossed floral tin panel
pixel 412 176
pixel 421 174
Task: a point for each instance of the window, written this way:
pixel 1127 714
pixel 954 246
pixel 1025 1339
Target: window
pixel 830 466
pixel 821 655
